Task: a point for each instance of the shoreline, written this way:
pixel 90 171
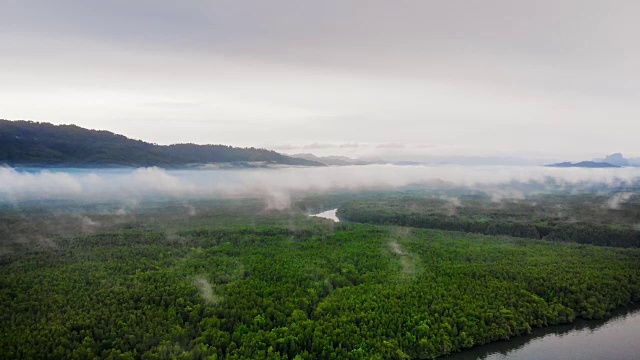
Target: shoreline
pixel 518 342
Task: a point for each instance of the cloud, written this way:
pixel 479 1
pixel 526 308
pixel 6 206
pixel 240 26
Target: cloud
pixel 618 199
pixel 277 186
pixel 206 290
pixel 318 146
pixel 391 146
pixel 331 72
pixel 44 184
pixel 451 205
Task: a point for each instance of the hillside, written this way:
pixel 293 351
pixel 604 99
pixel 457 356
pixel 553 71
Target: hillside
pixel 43 144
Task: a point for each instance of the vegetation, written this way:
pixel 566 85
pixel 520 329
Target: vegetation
pixel 586 219
pixel 44 144
pixel 290 287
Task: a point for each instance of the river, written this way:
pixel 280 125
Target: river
pixel 617 338
pixel 329 214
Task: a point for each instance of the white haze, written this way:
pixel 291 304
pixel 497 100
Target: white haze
pixel 618 199
pixel 276 186
pixel 206 290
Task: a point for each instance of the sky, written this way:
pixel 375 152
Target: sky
pixel 409 79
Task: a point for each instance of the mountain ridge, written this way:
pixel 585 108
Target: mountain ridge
pixel 31 143
pixel 619 160
pixel 331 160
pixel 615 160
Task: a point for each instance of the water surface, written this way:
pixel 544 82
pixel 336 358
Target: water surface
pixel 617 338
pixel 329 214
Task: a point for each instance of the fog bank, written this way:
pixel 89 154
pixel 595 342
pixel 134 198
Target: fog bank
pixel 275 186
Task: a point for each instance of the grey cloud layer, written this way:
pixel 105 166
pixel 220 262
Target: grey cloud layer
pixel 565 35
pixel 493 74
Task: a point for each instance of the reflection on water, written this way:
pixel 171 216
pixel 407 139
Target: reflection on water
pixel 616 338
pixel 329 214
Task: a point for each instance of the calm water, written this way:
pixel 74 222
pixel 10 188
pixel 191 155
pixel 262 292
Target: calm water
pixel 617 338
pixel 329 214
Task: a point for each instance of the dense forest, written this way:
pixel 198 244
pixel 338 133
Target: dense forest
pixel 236 282
pixel 607 220
pixel 43 144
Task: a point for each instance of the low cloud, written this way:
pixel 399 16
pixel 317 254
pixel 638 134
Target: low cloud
pixel 277 186
pixel 88 224
pixel 451 205
pixel 206 290
pixel 322 146
pixel 318 146
pixel 618 199
pixel 391 146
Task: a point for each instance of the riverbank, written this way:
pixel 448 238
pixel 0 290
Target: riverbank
pixel 613 338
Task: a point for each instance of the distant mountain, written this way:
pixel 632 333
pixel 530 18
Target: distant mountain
pixel 583 164
pixel 348 160
pixel 614 159
pixel 619 160
pixel 31 143
pixel 331 160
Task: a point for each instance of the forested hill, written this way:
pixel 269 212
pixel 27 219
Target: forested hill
pixel 44 144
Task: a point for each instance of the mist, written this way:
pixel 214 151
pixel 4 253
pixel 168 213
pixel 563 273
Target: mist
pixel 277 186
pixel 618 199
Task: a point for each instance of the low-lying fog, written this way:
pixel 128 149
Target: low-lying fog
pixel 45 205
pixel 275 186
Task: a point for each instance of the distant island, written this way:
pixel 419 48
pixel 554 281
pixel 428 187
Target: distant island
pixel 618 159
pixel 583 164
pixel 29 143
pixel 610 161
pixel 332 160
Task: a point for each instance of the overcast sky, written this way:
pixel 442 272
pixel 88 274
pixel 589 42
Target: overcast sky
pixel 529 78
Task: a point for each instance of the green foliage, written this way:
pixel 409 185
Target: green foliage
pixel 306 292
pixel 583 219
pixel 33 143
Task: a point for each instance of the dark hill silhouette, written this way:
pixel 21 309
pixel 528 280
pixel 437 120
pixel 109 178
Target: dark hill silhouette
pixel 43 144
